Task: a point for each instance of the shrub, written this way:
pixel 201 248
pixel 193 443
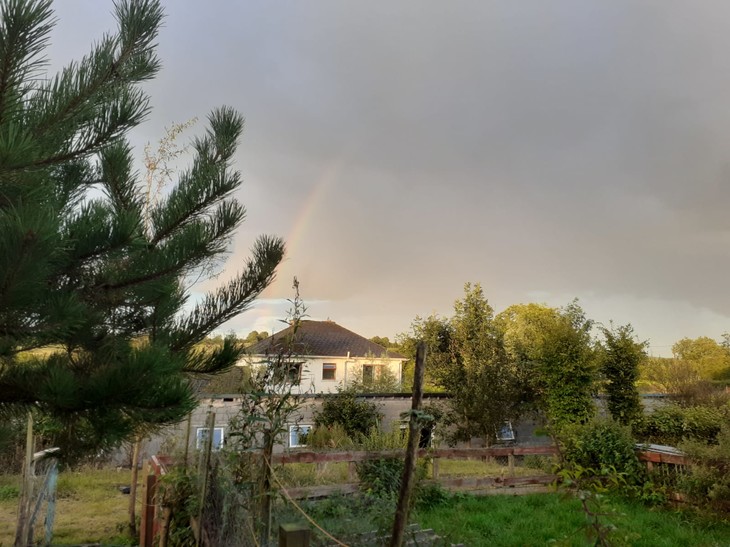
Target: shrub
pixel 674 424
pixel 9 492
pixel 356 415
pixel 708 482
pixel 330 437
pixel 603 444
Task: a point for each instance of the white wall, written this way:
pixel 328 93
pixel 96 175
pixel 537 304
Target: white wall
pixel 346 370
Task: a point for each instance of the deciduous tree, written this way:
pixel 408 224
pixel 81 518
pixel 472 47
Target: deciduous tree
pixel 554 354
pixel 620 357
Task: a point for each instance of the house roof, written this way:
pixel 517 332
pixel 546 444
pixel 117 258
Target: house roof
pixel 324 339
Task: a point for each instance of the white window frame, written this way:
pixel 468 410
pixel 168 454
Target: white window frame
pixel 200 438
pixel 506 428
pixel 299 429
pixel 333 368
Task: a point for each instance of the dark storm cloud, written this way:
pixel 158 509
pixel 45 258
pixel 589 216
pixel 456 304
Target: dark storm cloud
pixel 571 147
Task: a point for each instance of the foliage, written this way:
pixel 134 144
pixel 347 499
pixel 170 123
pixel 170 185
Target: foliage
pixel 479 377
pixel 384 381
pixel 552 519
pixel 708 482
pixel 590 486
pixel 553 354
pixel 356 415
pixel 177 491
pixel 620 357
pixel 673 424
pixel 331 437
pixel 9 492
pixel 85 270
pixel 267 407
pixel 382 477
pixel 667 375
pixel 602 444
pixel 436 332
pixel 708 358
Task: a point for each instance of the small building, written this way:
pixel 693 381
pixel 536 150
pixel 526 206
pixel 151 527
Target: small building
pixel 329 357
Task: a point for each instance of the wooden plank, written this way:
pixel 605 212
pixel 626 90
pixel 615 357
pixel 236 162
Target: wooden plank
pixel 322 491
pixel 308 456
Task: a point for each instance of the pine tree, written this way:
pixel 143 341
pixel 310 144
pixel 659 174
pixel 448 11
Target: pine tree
pixel 82 274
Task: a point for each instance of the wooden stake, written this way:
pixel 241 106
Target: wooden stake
pixel 23 529
pixel 204 472
pixel 414 432
pixel 133 488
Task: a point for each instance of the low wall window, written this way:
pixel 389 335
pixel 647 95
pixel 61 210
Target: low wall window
pixel 506 433
pixel 298 435
pixel 329 371
pixel 201 436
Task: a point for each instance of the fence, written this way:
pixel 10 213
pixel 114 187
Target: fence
pixel 507 458
pixel 509 474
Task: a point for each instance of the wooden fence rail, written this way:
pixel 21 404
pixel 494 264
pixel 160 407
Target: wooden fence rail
pixel 308 456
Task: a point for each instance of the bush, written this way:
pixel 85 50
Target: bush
pixel 356 415
pixel 330 437
pixel 9 492
pixel 708 482
pixel 603 444
pixel 673 424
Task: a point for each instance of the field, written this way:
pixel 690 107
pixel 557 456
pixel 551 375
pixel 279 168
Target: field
pixel 92 509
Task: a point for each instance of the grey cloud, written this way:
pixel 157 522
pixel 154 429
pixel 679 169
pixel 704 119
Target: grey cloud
pixel 568 147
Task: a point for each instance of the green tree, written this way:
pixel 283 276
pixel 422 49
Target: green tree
pixel 709 359
pixel 620 359
pixel 553 352
pixel 437 333
pixel 479 375
pixel 255 336
pixel 381 341
pixel 81 272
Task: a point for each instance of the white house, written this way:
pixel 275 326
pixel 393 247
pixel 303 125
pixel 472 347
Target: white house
pixel 331 357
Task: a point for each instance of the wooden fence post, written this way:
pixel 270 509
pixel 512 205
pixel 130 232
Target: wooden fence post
pixel 294 535
pixel 22 532
pixel 435 468
pixel 204 472
pixel 414 435
pixel 511 464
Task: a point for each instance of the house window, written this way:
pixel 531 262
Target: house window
pixel 298 435
pixel 506 433
pixel 370 373
pixel 201 437
pixel 329 371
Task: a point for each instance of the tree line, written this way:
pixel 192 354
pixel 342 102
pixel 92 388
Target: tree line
pixel 536 358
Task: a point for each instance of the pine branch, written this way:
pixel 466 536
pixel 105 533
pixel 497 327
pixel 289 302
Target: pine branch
pixel 233 298
pixel 24 31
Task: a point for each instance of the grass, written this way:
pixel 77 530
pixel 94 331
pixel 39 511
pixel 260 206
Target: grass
pixel 541 518
pixel 309 474
pixel 90 508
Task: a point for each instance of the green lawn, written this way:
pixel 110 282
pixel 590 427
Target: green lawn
pixel 90 508
pixel 542 518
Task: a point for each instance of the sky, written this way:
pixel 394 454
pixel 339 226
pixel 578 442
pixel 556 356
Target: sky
pixel 547 150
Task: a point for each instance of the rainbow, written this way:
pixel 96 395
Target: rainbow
pixel 302 220
pixel 313 199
